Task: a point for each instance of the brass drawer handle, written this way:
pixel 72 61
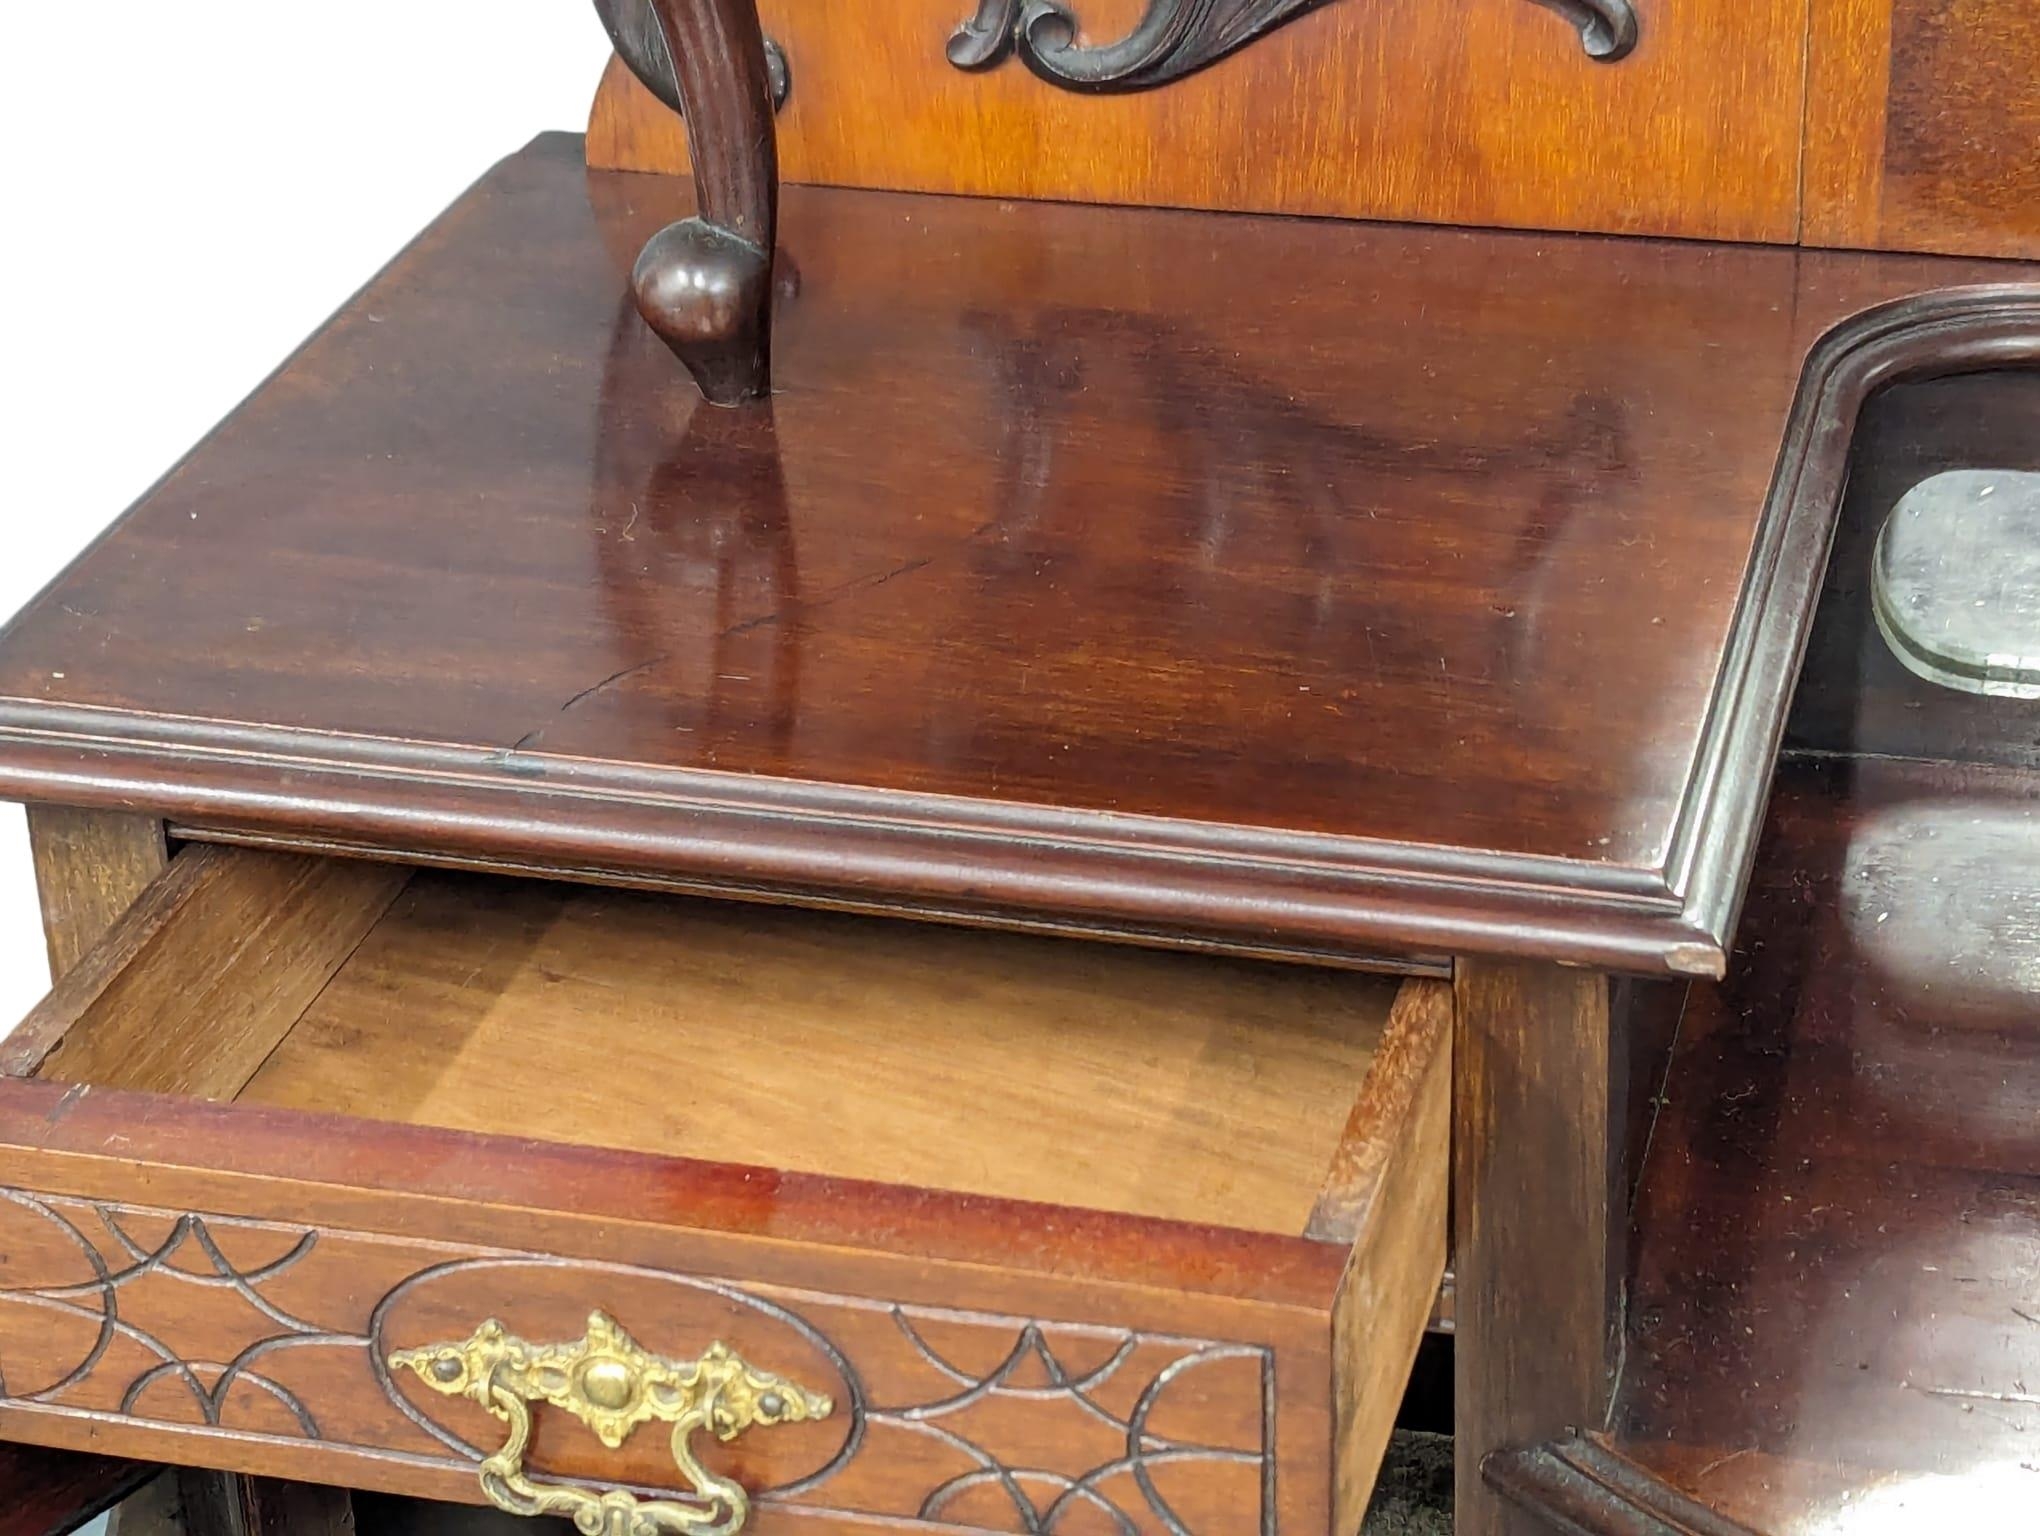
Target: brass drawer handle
pixel 612 1385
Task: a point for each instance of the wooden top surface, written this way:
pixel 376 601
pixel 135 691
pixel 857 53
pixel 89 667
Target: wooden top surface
pixel 1344 587
pixel 1833 1316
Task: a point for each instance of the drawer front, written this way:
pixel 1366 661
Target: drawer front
pixel 283 1334
pixel 971 1396
pixel 1488 113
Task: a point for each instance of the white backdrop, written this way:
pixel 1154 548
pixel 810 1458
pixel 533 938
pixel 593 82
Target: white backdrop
pixel 190 189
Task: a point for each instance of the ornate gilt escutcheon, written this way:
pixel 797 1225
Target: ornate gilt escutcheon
pixel 610 1384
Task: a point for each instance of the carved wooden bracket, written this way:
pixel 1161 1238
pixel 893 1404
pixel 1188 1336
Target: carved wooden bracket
pixel 1174 38
pixel 705 283
pixel 633 28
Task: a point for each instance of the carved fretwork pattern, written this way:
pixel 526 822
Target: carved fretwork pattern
pixel 966 1420
pixel 1077 1392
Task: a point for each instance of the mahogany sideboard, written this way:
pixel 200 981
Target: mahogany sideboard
pixel 983 943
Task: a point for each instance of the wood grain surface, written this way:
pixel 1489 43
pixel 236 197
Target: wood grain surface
pixel 217 1284
pixel 1538 1221
pixel 89 868
pixel 1076 1074
pixel 1485 113
pixel 1891 124
pixel 1836 1271
pixel 197 983
pixel 1923 125
pixel 878 642
pixel 1393 1195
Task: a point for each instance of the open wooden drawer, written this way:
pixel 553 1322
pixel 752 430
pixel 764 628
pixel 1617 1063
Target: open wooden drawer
pixel 1022 1233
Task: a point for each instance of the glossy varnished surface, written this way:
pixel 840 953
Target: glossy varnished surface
pixel 1833 1326
pixel 1835 1317
pixel 1338 585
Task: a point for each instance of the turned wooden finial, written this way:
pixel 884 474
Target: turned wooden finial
pixel 705 284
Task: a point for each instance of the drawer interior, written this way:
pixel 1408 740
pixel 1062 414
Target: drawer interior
pixel 820 1126
pixel 1185 1087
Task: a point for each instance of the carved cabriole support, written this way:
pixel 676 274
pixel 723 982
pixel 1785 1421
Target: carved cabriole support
pixel 705 283
pixel 1174 38
pixel 634 30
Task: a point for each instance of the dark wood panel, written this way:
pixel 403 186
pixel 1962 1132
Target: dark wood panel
pixel 1833 1325
pixel 473 574
pixel 1486 113
pixel 51 1493
pixel 223 1505
pixel 1537 1220
pixel 1924 125
pixel 1579 1487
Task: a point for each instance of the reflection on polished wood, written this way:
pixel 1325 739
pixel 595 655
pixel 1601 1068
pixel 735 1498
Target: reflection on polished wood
pixel 1071 575
pixel 1834 1318
pixel 1834 1324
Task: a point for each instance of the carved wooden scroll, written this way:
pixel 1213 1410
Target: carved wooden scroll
pixel 1174 38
